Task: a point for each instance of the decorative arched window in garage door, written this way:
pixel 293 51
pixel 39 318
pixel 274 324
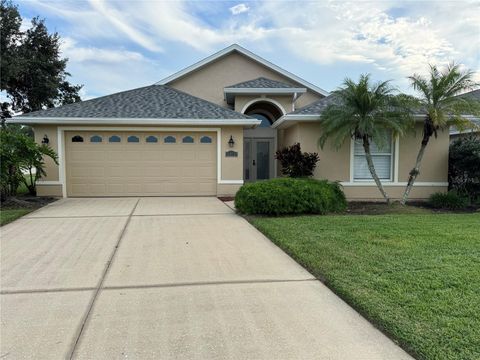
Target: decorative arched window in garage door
pixel 205 140
pixel 170 140
pixel 77 138
pixel 133 139
pixel 151 139
pixel 188 140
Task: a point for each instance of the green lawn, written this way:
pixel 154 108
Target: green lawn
pixel 8 215
pixel 417 277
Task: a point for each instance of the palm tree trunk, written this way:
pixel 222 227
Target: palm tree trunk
pixel 371 167
pixel 427 133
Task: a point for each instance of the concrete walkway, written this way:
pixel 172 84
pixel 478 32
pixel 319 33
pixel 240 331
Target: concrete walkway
pixel 165 278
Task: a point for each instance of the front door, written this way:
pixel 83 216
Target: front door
pixel 258 161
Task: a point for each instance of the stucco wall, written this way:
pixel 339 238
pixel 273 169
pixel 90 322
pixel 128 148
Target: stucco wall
pixel 51 131
pixel 49 190
pixel 434 165
pixel 227 190
pixel 209 81
pixel 289 136
pixel 334 163
pixel 232 167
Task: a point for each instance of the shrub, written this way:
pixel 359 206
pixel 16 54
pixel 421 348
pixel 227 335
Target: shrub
pixel 464 166
pixel 19 154
pixel 290 196
pixel 295 163
pixel 451 200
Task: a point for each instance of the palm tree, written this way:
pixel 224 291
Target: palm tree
pixel 441 106
pixel 367 112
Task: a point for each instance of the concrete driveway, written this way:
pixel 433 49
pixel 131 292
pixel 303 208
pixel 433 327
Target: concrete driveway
pixel 165 278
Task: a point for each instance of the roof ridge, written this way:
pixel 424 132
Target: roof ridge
pixel 245 52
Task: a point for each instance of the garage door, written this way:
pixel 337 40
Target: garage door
pixel 140 164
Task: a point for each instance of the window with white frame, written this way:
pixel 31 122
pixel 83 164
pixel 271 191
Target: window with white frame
pixel 382 160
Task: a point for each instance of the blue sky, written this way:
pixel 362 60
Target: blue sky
pixel 119 45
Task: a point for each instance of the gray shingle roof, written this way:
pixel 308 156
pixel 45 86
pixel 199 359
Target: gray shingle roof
pixel 262 82
pixel 154 101
pixel 316 107
pixel 475 95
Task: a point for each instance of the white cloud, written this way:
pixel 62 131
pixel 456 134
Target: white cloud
pixel 391 38
pixel 72 50
pixel 367 33
pixel 238 9
pixel 105 71
pixel 120 20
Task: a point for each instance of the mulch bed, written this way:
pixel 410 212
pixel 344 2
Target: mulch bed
pixel 380 208
pixel 27 202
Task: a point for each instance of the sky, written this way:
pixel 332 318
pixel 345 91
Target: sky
pixel 118 45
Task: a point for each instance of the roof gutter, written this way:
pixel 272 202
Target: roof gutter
pixel 289 119
pixel 131 121
pixel 229 93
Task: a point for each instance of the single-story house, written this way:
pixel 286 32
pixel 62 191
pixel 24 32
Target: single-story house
pixel 209 128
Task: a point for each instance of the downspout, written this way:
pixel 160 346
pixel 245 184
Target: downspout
pixel 293 100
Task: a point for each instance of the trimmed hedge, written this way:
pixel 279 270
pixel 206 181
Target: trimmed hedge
pixel 450 200
pixel 284 196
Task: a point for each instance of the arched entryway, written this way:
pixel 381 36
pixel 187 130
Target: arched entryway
pixel 260 143
pixel 265 110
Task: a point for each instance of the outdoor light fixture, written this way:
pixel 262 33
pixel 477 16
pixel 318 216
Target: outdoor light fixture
pixel 45 140
pixel 231 142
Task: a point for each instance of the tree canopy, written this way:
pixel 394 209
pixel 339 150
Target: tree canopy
pixel 34 75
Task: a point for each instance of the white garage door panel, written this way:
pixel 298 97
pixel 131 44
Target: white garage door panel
pixel 137 169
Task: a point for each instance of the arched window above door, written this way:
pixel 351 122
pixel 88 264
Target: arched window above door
pixel 265 120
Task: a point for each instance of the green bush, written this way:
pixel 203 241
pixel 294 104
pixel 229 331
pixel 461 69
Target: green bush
pixel 295 163
pixel 450 200
pixel 290 196
pixel 464 166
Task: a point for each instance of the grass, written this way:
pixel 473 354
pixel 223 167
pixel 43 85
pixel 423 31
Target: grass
pixel 415 276
pixel 9 215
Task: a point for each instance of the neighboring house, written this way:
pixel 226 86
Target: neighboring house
pixel 475 121
pixel 208 129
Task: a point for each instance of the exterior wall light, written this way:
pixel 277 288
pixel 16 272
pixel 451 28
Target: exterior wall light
pixel 231 142
pixel 45 140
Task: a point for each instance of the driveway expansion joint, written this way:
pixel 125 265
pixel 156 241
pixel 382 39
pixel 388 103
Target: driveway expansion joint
pixel 43 291
pixel 206 283
pixel 156 286
pixel 181 214
pixel 98 288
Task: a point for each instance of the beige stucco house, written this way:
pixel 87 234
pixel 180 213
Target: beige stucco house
pixel 208 129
